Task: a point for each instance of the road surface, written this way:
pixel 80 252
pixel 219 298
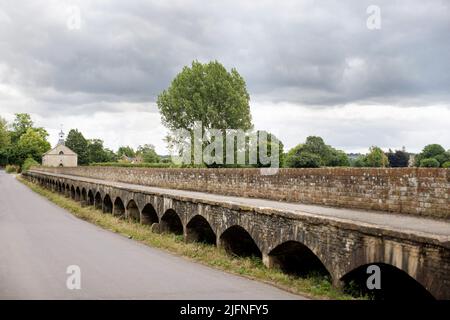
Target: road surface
pixel 39 240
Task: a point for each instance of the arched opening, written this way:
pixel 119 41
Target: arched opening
pixel 119 208
pixel 68 193
pixel 237 241
pixel 72 192
pixel 295 258
pixel 60 187
pixel 199 230
pixel 149 215
pixel 61 153
pixel 90 198
pixel 107 204
pixel 171 222
pixel 98 201
pixel 63 188
pixel 61 165
pixel 77 194
pixel 133 211
pixel 395 284
pixel 83 196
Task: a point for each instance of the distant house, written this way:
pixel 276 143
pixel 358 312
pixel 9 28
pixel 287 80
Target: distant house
pixel 134 160
pixel 60 156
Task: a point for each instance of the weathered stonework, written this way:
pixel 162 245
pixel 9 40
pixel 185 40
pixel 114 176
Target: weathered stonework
pixel 417 191
pixel 341 246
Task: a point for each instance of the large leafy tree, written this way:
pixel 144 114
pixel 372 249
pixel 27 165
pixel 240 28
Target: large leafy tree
pixel 97 153
pixel 432 151
pixel 399 158
pixel 20 125
pixel 5 141
pixel 78 144
pixel 315 153
pixel 375 158
pixel 32 144
pixel 205 93
pixel 126 151
pixel 148 153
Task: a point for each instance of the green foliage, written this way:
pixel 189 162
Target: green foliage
pixel 429 163
pixel 28 163
pixel 32 144
pixel 446 164
pixel 5 141
pixel 433 151
pixel 315 153
pixel 97 153
pixel 304 160
pixel 376 158
pixel 11 168
pixel 207 93
pixel 78 144
pixel 21 124
pixel 399 158
pixel 126 151
pixel 137 165
pixel 270 144
pixel 148 153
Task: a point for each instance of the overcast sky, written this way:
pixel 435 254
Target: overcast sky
pixel 311 67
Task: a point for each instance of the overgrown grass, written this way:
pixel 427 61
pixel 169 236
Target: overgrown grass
pixel 313 286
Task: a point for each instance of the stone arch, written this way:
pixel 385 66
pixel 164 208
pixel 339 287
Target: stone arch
pixel 296 258
pixel 67 190
pixel 237 241
pixel 133 211
pixel 90 198
pixel 395 283
pixel 119 207
pixel 77 194
pixel 72 192
pixel 83 196
pixel 198 229
pixel 98 202
pixel 149 215
pixel 171 222
pixel 107 204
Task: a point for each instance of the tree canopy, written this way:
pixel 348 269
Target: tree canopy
pixel 78 144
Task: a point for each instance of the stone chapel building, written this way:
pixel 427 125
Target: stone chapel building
pixel 60 156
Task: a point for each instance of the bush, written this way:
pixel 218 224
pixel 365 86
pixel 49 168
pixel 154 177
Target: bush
pixel 28 163
pixel 429 163
pixel 305 160
pixel 11 168
pixel 446 164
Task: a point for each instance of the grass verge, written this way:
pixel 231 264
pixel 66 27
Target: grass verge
pixel 311 286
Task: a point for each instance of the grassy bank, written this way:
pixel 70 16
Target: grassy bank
pixel 312 286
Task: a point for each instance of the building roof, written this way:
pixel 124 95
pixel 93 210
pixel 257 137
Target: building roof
pixel 60 147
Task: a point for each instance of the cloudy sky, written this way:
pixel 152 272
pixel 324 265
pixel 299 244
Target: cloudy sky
pixel 311 67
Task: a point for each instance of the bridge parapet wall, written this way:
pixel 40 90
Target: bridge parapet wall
pixel 416 191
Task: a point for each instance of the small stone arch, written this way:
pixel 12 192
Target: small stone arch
pixel 90 198
pixel 133 211
pixel 107 204
pixel 83 196
pixel 198 229
pixel 171 223
pixel 238 241
pixel 119 208
pixel 296 258
pixel 98 202
pixel 77 194
pixel 395 283
pixel 149 215
pixel 72 192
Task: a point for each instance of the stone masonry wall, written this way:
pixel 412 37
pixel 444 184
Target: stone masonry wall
pixel 417 191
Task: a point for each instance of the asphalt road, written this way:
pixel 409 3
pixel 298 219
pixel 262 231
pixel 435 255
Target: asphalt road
pixel 39 240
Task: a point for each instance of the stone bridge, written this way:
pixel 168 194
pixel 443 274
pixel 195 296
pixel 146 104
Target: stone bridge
pixel 412 252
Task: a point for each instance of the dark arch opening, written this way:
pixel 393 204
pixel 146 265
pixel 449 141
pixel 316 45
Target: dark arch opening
pixel 83 195
pixel 107 204
pixel 119 208
pixel 171 222
pixel 77 194
pixel 90 198
pixel 133 211
pixel 295 258
pixel 199 230
pixel 149 215
pixel 395 284
pixel 237 241
pixel 60 188
pixel 72 192
pixel 98 201
pixel 67 190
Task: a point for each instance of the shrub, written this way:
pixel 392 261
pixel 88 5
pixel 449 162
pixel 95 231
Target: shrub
pixel 446 164
pixel 28 163
pixel 305 160
pixel 11 168
pixel 429 163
